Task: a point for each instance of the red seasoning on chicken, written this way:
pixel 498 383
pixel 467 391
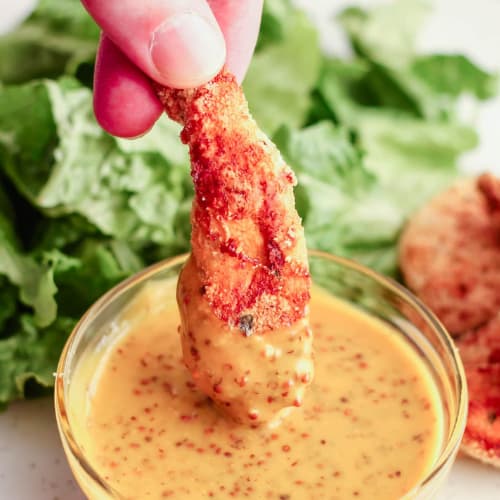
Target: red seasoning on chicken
pixel 244 293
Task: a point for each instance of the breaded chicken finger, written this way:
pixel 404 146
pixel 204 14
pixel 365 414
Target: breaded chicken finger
pixel 449 253
pixel 244 293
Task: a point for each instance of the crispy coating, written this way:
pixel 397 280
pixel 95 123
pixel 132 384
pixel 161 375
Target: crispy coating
pixel 450 253
pixel 480 352
pixel 243 295
pixel 247 240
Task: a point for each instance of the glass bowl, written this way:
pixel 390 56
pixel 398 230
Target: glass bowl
pixel 376 295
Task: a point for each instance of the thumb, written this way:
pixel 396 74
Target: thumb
pixel 177 43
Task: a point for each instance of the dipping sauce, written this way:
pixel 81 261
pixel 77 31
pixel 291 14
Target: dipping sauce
pixel 371 425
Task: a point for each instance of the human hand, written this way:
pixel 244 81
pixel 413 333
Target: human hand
pixel 178 43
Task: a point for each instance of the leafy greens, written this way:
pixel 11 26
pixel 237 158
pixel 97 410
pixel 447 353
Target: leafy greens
pixel 370 138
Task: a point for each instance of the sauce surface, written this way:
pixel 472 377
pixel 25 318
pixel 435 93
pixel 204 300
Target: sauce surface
pixel 370 427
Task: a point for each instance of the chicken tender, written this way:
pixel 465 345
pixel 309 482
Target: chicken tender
pixel 450 253
pixel 480 352
pixel 246 286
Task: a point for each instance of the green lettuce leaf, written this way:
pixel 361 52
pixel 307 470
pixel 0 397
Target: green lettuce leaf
pixel 355 204
pixel 72 167
pixel 386 33
pixel 273 26
pixel 453 75
pixel 340 91
pixel 411 159
pixel 8 299
pixel 325 152
pixel 100 264
pixel 425 86
pixel 343 208
pixel 88 208
pixel 282 74
pixel 55 39
pixel 28 357
pixel 34 282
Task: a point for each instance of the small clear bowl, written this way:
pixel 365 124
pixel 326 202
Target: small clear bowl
pixel 374 294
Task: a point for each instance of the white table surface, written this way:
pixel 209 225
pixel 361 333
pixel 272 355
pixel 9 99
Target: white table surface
pixel 32 464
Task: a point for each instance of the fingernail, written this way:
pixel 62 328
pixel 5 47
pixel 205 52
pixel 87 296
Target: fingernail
pixel 187 50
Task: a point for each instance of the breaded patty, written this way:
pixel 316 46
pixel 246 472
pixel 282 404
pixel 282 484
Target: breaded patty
pixel 450 253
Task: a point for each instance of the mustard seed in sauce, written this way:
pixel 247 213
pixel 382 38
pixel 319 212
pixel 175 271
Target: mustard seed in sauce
pixel 370 419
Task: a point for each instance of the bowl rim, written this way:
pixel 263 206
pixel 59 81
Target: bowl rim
pixel 457 426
